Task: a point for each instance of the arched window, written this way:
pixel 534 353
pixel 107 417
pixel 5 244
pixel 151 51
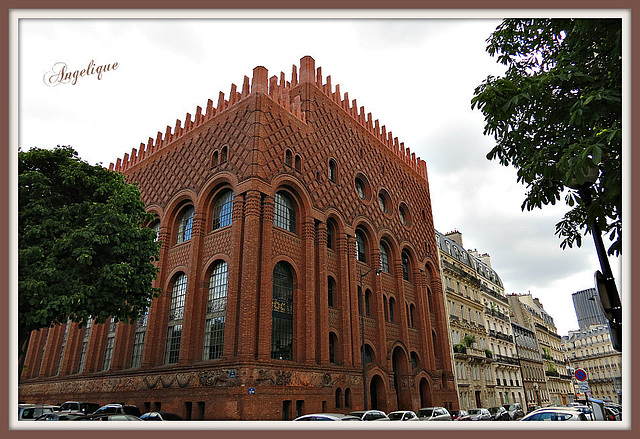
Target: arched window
pixel 332 348
pixel 284 215
pixel 368 354
pixel 331 235
pixel 360 189
pixel 176 311
pixel 384 257
pixel 347 397
pixel 214 159
pixel 367 303
pixel 412 309
pixel 331 285
pixel 223 209
pixel 338 397
pixel 287 157
pixel 216 311
pixel 298 163
pixel 361 248
pixel 223 154
pixel 155 226
pixel 414 360
pixel 185 223
pixel 282 313
pixel 405 266
pixel 392 306
pixel 332 170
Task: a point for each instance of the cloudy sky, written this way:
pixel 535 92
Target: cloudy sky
pixel 415 75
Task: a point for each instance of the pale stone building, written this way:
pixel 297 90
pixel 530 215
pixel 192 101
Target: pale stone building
pixel 484 356
pixel 591 349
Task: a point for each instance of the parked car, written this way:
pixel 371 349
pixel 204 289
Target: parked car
pixel 457 414
pixel 327 417
pixel 434 414
pixel 109 417
pixel 112 409
pixel 160 416
pixel 370 415
pixel 403 415
pixel 617 410
pixel 77 406
pixel 480 414
pixel 515 411
pixel 60 416
pixel 555 414
pixel 29 412
pixel 499 413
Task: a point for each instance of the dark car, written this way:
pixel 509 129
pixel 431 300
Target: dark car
pixel 160 416
pixel 112 409
pixel 60 416
pixel 515 411
pixel 77 406
pixel 370 415
pixel 457 414
pixel 499 414
pixel 109 417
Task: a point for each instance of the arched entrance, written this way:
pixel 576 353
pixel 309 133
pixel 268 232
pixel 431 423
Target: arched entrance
pixel 401 377
pixel 377 394
pixel 425 393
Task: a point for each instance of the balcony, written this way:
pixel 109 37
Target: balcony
pixel 508 360
pixel 498 314
pixel 500 335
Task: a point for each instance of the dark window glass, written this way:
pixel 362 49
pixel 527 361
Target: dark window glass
pixel 330 288
pixel 384 257
pixel 360 189
pixel 282 313
pixel 330 235
pixel 405 266
pixel 185 224
pixel 332 170
pixel 361 249
pixel 216 311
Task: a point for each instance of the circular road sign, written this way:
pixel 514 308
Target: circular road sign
pixel 580 374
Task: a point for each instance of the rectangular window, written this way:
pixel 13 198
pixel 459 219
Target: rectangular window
pixel 172 349
pixel 108 353
pixel 138 346
pixel 213 338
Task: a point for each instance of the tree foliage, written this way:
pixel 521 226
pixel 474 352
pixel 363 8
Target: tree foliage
pixel 82 249
pixel 556 116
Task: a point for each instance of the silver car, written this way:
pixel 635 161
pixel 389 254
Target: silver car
pixel 29 412
pixel 370 415
pixel 434 414
pixel 476 415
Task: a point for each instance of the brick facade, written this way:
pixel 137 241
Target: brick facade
pixel 275 137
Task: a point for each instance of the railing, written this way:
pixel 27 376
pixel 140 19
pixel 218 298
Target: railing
pixel 494 294
pixel 500 336
pixel 509 360
pixel 497 314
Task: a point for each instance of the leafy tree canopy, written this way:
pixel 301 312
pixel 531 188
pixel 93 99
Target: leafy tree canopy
pixel 82 249
pixel 556 115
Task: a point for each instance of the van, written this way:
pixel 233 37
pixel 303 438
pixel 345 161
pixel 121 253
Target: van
pixel 29 412
pixel 76 406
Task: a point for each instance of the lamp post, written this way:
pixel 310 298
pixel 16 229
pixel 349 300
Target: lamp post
pixel 361 299
pixel 605 283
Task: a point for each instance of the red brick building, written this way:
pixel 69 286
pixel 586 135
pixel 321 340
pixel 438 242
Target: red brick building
pixel 288 217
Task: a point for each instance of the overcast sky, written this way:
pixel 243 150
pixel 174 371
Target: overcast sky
pixel 416 76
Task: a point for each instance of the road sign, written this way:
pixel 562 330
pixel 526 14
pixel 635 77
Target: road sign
pixel 583 387
pixel 580 374
pixel 252 390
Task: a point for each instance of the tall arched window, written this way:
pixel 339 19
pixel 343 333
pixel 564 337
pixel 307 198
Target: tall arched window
pixel 347 397
pixel 176 311
pixel 155 226
pixel 338 397
pixel 331 235
pixel 332 348
pixel 284 214
pixel 185 223
pixel 367 303
pixel 405 266
pixel 216 312
pixel 361 247
pixel 411 312
pixel 223 209
pixel 331 285
pixel 287 157
pixel 298 163
pixel 384 257
pixel 392 307
pixel 282 313
pixel 223 154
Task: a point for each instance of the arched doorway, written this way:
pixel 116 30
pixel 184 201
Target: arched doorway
pixel 401 378
pixel 425 393
pixel 377 394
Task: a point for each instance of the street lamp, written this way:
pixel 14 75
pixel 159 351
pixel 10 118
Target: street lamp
pixel 361 299
pixel 605 283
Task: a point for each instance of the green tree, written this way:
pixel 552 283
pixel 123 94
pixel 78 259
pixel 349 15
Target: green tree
pixel 556 117
pixel 82 249
pixel 468 340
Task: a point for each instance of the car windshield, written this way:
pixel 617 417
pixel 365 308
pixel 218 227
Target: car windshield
pixel 474 412
pixel 395 416
pixel 425 412
pixel 510 407
pixel 494 409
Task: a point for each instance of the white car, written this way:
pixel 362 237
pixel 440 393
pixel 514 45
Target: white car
pixel 326 417
pixel 403 415
pixel 29 412
pixel 556 414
